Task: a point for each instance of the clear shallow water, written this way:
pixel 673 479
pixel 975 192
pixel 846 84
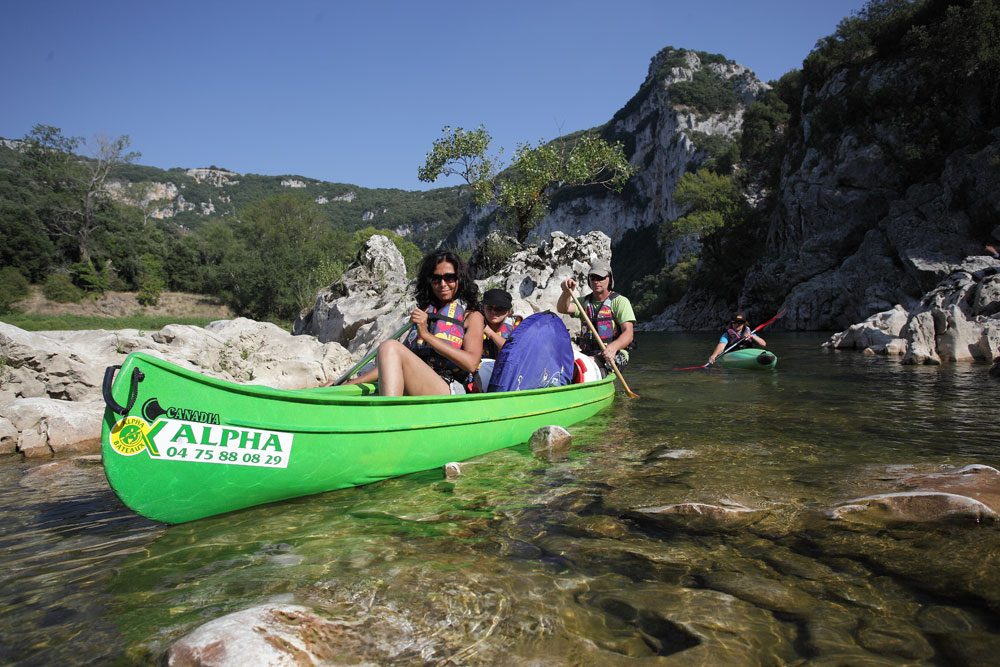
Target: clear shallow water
pixel 520 559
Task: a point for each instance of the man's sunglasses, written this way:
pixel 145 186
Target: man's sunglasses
pixel 594 277
pixel 447 277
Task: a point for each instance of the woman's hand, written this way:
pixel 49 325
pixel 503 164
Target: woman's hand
pixel 419 317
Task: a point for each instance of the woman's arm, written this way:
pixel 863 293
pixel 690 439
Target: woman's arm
pixel 757 339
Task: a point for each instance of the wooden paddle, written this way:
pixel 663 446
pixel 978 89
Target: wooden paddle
pixel 368 357
pixel 597 337
pixel 730 348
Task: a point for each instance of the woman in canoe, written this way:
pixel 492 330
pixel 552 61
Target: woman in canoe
pixel 445 345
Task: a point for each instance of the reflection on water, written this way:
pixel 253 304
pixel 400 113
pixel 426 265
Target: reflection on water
pixel 521 560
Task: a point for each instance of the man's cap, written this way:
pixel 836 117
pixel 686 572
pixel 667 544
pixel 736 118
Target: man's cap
pixel 600 268
pixel 498 298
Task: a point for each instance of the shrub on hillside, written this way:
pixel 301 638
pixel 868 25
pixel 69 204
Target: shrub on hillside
pixel 707 92
pixel 59 287
pixel 492 254
pixel 88 278
pixel 13 288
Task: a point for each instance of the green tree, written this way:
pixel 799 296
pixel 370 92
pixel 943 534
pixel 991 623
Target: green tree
pixel 522 191
pixel 284 239
pixel 70 191
pixel 713 203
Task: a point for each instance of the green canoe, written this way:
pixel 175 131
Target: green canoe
pixel 750 358
pixel 178 445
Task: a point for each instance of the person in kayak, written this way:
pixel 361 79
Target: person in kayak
pixel 738 335
pixel 445 345
pixel 610 312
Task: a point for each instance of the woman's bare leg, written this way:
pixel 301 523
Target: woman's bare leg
pixel 401 372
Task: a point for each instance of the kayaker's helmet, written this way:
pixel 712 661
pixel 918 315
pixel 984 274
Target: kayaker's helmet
pixel 602 268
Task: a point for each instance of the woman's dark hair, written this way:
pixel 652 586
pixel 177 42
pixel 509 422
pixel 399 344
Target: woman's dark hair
pixel 467 289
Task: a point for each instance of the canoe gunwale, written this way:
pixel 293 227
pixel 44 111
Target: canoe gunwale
pixel 366 397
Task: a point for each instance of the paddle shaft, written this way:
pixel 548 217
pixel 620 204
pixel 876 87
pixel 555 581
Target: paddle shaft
pixel 371 355
pixel 597 337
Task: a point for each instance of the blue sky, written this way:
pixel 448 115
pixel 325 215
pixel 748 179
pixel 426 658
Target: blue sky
pixel 357 92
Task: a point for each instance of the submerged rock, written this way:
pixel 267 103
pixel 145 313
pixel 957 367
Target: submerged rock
pixel 551 443
pixel 915 506
pixel 970 492
pixel 273 635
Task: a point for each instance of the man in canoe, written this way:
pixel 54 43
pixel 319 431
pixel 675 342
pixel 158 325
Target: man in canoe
pixel 737 335
pixel 610 312
pixel 445 345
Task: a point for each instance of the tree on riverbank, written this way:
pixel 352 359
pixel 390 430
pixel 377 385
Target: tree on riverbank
pixel 522 191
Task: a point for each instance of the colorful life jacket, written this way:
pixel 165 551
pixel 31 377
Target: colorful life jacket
pixel 732 335
pixel 490 349
pixel 603 320
pixel 447 324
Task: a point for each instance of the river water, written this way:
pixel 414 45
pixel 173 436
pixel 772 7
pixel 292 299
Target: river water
pixel 522 560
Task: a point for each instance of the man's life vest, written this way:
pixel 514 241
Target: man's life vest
pixel 603 319
pixel 490 349
pixel 447 324
pixel 732 335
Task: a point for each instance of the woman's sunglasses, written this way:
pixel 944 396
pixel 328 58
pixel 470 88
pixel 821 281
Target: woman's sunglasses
pixel 447 277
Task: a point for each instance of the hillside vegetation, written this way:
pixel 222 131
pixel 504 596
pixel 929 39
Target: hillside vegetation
pixel 263 245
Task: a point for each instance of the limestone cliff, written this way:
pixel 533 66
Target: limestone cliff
pixel 663 135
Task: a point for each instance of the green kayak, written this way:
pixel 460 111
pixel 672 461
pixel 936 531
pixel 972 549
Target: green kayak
pixel 186 446
pixel 750 358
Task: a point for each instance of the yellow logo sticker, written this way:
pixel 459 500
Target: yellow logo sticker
pixel 130 436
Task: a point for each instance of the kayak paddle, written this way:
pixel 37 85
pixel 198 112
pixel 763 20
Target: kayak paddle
pixel 371 355
pixel 731 347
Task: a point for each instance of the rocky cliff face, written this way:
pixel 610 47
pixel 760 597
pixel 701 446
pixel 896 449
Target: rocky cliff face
pixel 855 232
pixel 664 139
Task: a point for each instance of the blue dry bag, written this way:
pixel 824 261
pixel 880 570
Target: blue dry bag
pixel 537 354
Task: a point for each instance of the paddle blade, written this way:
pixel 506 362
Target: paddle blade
pixel 691 368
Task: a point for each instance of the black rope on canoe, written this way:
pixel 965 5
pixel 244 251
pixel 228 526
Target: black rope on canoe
pixel 109 376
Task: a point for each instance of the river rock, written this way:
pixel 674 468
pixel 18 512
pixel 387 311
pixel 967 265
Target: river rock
pixel 969 492
pixel 551 443
pixel 706 516
pixel 46 426
pixel 273 635
pixel 762 591
pixel 958 320
pixel 51 393
pixel 915 506
pixel 370 301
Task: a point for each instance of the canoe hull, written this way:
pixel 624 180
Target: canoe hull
pixel 193 446
pixel 749 359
